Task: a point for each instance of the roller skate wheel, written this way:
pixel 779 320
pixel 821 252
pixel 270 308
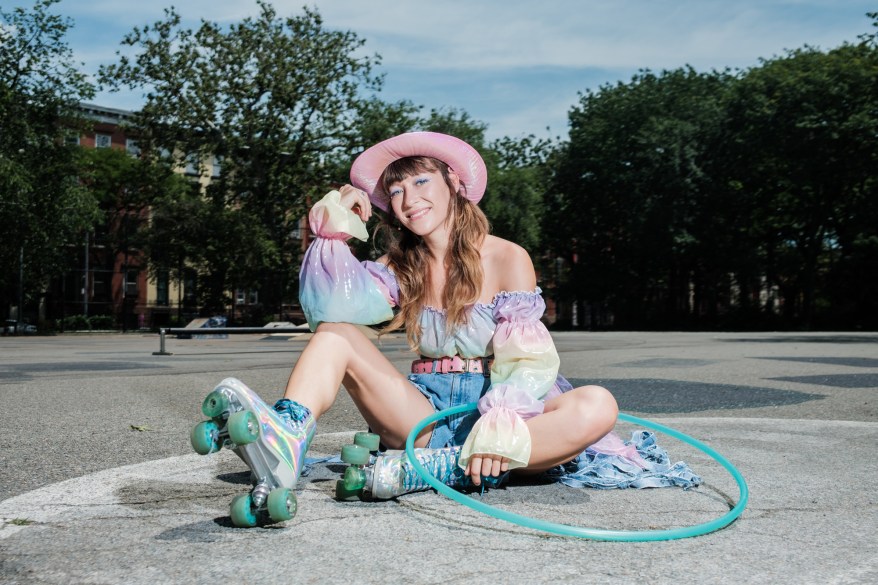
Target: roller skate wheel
pixel 281 504
pixel 242 512
pixel 355 455
pixel 205 437
pixel 354 478
pixel 243 427
pixel 369 441
pixel 343 494
pixel 215 404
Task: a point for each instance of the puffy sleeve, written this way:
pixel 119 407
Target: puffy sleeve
pixel 333 285
pixel 525 368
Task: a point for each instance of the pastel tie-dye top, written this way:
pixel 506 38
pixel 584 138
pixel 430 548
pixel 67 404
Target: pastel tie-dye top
pixel 335 287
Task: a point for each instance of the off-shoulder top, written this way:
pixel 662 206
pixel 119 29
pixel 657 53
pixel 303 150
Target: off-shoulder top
pixel 335 287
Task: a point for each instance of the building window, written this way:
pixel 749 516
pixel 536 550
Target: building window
pixel 217 167
pixel 72 139
pixel 103 140
pixel 101 286
pixel 131 282
pixel 190 282
pixel 131 147
pixel 162 297
pixel 246 297
pixel 192 165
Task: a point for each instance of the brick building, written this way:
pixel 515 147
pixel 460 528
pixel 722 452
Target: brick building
pixel 111 280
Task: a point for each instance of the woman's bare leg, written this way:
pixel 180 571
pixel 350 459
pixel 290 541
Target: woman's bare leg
pixel 339 353
pixel 570 423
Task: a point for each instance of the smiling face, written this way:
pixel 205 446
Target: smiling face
pixel 420 195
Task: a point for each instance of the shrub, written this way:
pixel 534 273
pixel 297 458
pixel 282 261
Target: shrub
pixel 102 322
pixel 75 323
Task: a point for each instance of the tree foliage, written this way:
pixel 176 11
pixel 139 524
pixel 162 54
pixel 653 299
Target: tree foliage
pixel 272 98
pixel 633 192
pixel 42 206
pixel 687 199
pixel 518 180
pixel 806 127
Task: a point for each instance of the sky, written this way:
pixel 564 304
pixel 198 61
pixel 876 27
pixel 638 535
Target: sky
pixel 516 65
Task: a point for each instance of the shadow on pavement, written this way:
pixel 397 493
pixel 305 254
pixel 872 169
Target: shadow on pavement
pixel 665 396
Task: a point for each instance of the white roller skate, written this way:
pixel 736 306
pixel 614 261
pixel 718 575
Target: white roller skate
pixel 271 441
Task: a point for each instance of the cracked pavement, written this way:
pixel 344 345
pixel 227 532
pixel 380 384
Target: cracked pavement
pixel 98 483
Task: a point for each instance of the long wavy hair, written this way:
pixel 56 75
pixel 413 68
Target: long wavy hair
pixel 408 255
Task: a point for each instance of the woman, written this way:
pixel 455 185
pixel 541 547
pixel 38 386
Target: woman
pixel 470 306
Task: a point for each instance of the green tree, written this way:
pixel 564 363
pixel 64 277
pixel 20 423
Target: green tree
pixel 516 189
pixel 274 99
pixel 632 198
pixel 42 206
pixel 713 199
pixel 806 155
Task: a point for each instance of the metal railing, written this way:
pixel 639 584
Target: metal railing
pixel 222 331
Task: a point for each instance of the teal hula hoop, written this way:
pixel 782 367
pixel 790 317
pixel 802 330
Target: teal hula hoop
pixel 577 531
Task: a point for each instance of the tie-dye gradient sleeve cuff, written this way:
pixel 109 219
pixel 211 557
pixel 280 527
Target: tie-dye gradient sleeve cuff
pixel 335 287
pixel 501 430
pixel 385 280
pixel 524 353
pixel 330 219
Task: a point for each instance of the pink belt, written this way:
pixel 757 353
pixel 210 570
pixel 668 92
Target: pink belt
pixel 453 365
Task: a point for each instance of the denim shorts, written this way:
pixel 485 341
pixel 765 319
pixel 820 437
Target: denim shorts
pixel 448 390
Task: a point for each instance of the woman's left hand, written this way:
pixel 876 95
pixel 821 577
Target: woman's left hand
pixel 485 465
pixel 357 201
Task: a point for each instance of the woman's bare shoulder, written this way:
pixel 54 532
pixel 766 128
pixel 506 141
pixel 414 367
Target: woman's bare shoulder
pixel 509 264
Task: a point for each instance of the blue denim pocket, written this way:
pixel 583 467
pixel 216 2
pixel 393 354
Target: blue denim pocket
pixel 448 390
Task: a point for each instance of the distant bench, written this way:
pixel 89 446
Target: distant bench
pixel 269 329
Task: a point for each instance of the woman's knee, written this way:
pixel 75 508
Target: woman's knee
pixel 343 329
pixel 596 405
pixel 340 331
pixel 340 340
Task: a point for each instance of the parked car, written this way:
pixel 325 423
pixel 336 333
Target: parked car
pixel 13 327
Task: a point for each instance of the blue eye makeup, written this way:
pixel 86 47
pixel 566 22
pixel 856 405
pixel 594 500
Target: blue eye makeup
pixel 418 182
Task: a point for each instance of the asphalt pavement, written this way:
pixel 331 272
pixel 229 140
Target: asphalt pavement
pixel 98 482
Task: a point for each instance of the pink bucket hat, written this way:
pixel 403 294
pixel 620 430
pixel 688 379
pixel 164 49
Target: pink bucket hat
pixel 462 158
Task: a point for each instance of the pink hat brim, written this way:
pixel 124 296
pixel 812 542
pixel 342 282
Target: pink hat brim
pixel 462 158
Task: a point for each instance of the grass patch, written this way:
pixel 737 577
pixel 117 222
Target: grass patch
pixel 21 522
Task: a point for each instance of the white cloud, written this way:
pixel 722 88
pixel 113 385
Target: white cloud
pixel 621 33
pixel 522 33
pixel 420 40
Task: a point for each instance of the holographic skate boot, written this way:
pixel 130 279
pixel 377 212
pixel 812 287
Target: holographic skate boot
pixel 271 441
pixel 391 474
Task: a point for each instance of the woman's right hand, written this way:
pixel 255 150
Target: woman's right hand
pixel 357 201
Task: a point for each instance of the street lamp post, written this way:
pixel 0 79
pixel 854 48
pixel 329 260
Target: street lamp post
pixel 20 288
pixel 85 280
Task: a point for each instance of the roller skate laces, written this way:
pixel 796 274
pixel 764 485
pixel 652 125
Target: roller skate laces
pixel 271 441
pixel 391 474
pixel 442 464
